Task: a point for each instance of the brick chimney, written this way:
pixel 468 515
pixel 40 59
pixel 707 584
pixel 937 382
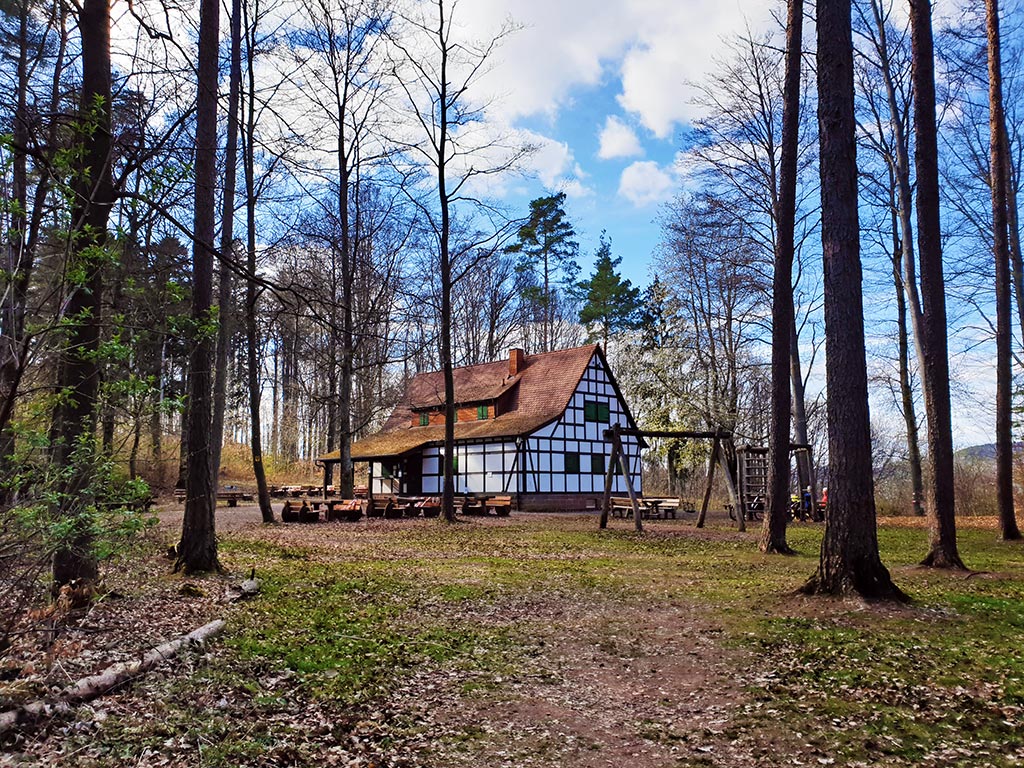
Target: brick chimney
pixel 516 361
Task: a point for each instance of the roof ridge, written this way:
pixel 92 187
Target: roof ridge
pixel 505 359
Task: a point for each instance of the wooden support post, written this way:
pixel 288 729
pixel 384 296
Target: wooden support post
pixel 609 473
pixel 711 478
pixel 618 451
pixel 734 497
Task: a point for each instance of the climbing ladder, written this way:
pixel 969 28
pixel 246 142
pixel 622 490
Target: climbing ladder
pixel 752 471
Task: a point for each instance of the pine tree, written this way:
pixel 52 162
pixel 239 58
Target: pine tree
pixel 548 249
pixel 612 305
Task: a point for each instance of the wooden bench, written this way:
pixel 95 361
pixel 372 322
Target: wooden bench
pixel 409 506
pixel 621 507
pixel 502 505
pixel 289 514
pixel 473 506
pixel 384 505
pixel 309 514
pixel 349 510
pixel 233 497
pixel 430 506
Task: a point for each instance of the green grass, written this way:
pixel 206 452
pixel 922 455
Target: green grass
pixel 337 631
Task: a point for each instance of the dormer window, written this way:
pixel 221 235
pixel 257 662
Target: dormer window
pixel 424 419
pixel 481 413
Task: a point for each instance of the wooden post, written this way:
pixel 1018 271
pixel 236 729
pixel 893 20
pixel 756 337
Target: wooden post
pixel 737 502
pixel 618 451
pixel 711 477
pixel 608 475
pixel 324 465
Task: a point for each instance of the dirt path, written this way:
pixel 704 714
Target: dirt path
pixel 602 686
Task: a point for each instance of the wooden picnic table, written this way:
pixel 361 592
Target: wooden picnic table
pixel 475 503
pixel 649 507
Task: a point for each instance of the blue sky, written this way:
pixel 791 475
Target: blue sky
pixel 606 92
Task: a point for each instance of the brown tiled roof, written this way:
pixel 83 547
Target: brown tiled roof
pixel 538 395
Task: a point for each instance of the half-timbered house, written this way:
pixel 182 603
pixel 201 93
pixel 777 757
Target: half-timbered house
pixel 531 426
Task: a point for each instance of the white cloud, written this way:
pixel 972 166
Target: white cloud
pixel 645 183
pixel 618 140
pixel 651 49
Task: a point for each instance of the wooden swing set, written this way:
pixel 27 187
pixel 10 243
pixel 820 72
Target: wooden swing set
pixel 749 486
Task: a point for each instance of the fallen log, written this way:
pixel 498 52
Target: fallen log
pixel 91 687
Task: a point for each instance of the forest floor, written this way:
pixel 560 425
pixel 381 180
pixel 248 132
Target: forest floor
pixel 536 640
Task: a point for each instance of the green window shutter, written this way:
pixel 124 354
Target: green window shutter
pixel 589 410
pixel 572 463
pixel 597 463
pixel 424 419
pixel 385 471
pixel 455 463
pixel 604 413
pixel 481 412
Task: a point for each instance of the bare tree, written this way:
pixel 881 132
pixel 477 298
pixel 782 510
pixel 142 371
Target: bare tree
pixel 344 68
pixel 849 561
pixel 197 550
pixel 437 71
pixel 932 339
pixel 1000 182
pixel 227 238
pixel 889 137
pixel 773 533
pixel 739 150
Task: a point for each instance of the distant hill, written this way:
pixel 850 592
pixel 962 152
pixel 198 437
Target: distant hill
pixel 984 452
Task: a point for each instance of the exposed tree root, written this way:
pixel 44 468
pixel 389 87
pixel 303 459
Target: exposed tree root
pixel 777 548
pixel 938 558
pixel 874 587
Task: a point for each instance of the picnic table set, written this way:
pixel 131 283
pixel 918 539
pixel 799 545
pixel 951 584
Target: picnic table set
pixel 391 507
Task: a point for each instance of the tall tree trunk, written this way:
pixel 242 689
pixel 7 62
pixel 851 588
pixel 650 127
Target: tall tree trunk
pixel 343 414
pixel 935 369
pixel 849 561
pixel 773 531
pixel 906 390
pixel 254 363
pixel 804 459
pixel 227 239
pixel 182 479
pixel 448 489
pixel 904 257
pixel 197 551
pixel 1016 258
pixel 74 427
pixel 999 172
pixel 133 454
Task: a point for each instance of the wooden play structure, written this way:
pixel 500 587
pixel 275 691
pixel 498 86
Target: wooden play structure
pixel 747 488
